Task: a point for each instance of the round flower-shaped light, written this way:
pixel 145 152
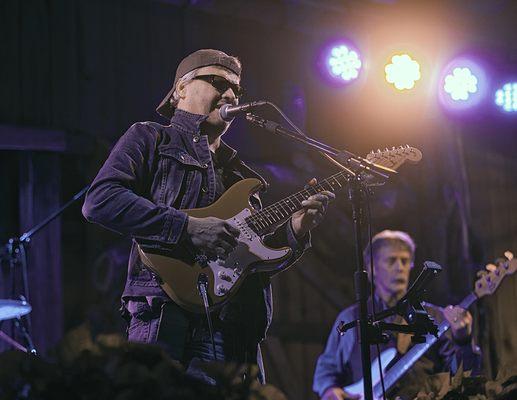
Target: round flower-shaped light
pixel 506 97
pixel 403 72
pixel 344 63
pixel 460 83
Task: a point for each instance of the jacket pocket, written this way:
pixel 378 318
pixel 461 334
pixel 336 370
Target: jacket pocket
pixel 144 321
pixel 180 177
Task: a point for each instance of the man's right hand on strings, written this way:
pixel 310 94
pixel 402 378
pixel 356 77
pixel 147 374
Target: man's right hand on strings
pixel 213 236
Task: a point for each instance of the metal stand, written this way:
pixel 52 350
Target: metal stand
pixel 355 195
pixel 14 253
pixel 409 307
pixel 354 168
pixel 358 171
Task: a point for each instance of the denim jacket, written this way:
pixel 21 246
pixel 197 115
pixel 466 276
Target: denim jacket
pixel 154 172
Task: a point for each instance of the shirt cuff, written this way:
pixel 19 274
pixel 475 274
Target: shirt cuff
pixel 175 226
pixel 299 245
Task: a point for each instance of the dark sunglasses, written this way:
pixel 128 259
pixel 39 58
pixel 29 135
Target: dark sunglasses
pixel 221 84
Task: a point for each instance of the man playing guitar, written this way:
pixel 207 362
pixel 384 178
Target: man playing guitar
pixel 340 363
pixel 152 174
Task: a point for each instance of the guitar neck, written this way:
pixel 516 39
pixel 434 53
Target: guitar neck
pixel 263 220
pixel 418 350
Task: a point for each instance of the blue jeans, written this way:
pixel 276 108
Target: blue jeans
pixel 186 337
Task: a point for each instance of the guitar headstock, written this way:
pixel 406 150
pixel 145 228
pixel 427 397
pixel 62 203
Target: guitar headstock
pixel 395 157
pixel 495 273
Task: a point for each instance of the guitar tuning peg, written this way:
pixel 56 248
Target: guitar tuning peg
pixel 379 151
pixel 481 273
pixel 407 146
pixel 508 254
pixel 491 267
pixel 386 149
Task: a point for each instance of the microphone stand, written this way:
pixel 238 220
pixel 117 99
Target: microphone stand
pixel 14 252
pixel 409 307
pixel 355 168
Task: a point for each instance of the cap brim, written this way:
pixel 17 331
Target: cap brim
pixel 165 109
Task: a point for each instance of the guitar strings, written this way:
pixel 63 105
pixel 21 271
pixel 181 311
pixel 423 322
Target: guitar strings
pixel 263 219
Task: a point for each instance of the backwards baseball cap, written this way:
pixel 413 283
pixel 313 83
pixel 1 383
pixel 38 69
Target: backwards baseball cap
pixel 198 59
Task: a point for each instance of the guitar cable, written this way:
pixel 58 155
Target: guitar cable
pixel 202 285
pixel 372 288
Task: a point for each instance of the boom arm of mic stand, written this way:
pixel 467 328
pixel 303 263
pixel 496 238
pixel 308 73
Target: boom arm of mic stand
pixel 358 163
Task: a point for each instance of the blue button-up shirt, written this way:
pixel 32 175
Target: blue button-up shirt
pixel 340 364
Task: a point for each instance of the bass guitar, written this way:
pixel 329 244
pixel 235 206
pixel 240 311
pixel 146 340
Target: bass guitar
pixel 484 286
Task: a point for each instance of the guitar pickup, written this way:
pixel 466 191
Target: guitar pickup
pixel 224 276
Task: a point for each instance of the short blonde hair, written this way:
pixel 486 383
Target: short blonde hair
pixel 389 238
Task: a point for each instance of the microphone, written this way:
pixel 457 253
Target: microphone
pixel 228 112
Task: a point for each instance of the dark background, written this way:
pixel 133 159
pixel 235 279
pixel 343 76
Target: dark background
pixel 76 74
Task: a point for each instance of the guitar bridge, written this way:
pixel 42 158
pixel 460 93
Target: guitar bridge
pixel 202 260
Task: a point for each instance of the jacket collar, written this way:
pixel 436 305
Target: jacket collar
pixel 225 154
pixel 190 122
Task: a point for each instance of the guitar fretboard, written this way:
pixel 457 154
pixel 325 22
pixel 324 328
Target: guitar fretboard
pixel 263 220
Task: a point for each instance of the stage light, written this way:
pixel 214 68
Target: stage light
pixel 463 83
pixel 506 97
pixel 402 72
pixel 343 63
pixel 460 84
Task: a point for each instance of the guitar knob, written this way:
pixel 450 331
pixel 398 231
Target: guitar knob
pixel 224 276
pixel 221 289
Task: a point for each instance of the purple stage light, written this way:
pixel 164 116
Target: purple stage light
pixel 463 84
pixel 341 62
pixel 344 63
pixel 460 84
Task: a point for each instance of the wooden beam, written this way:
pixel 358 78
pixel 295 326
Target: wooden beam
pixel 15 137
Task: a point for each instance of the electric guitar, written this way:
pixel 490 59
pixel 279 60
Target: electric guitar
pixel 179 270
pixel 486 285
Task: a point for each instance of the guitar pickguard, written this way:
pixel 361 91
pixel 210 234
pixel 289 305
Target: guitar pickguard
pixel 247 257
